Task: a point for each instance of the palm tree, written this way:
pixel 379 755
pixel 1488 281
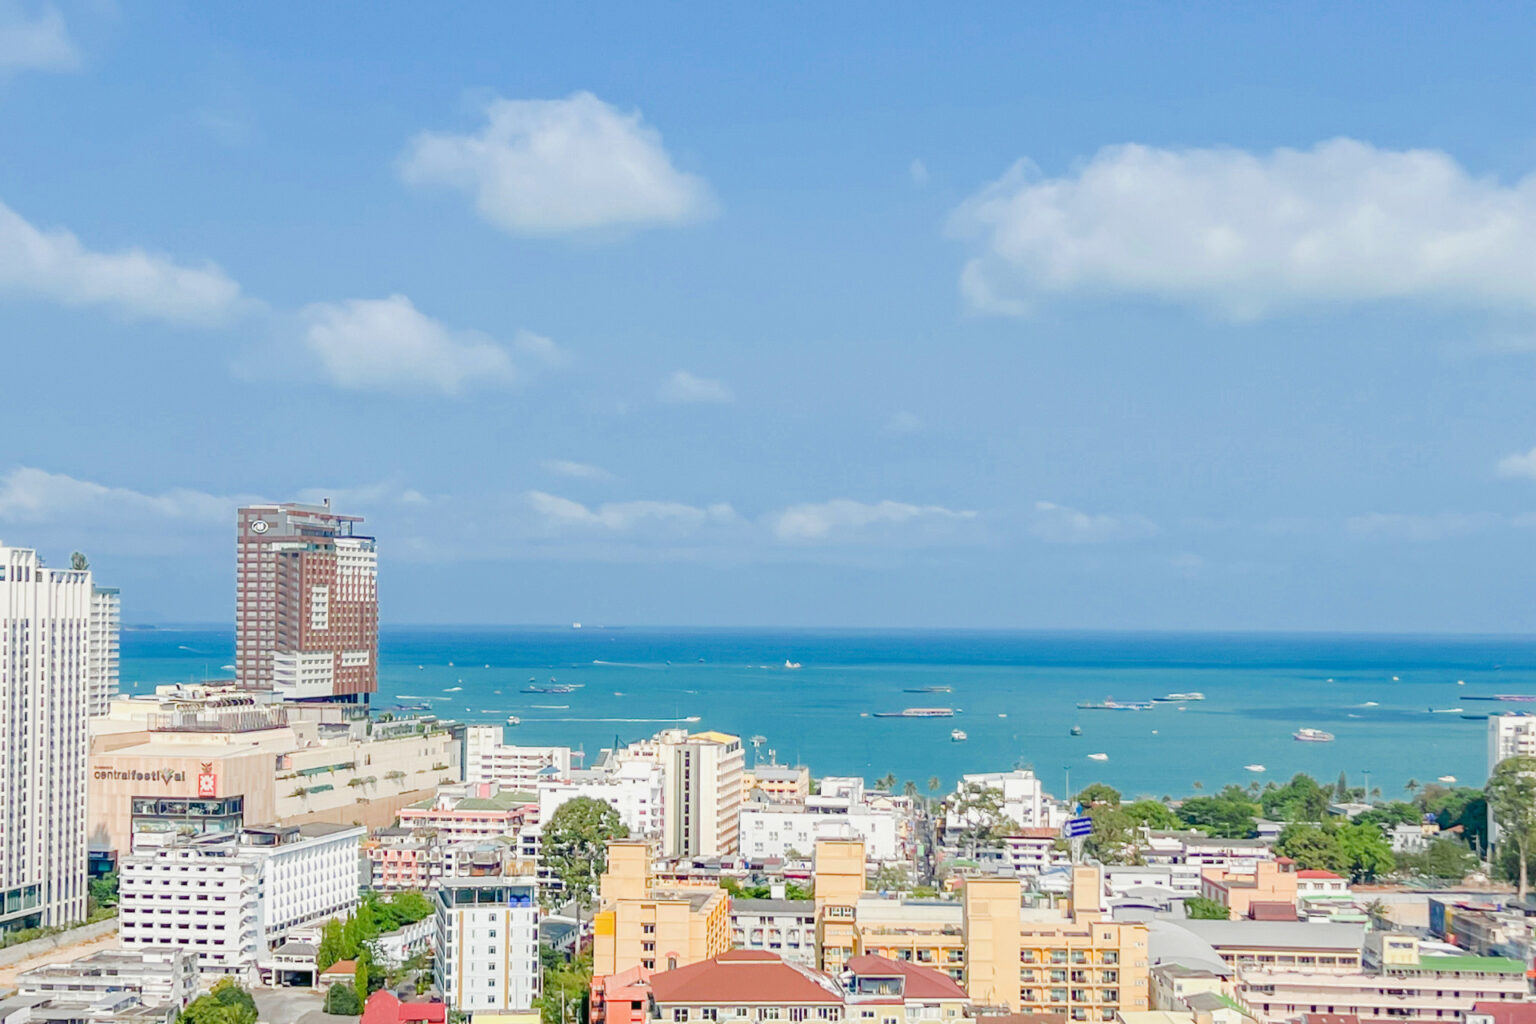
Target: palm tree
pixel 886 782
pixel 1411 785
pixel 1197 784
pixel 910 789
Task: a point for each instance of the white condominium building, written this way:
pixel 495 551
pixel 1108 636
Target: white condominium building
pixel 486 958
pixel 633 788
pixel 777 830
pixel 155 976
pixel 1510 735
pixel 488 759
pixel 701 802
pixel 232 898
pixel 47 638
pixel 102 655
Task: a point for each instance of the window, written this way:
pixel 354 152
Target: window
pixel 679 1014
pixel 709 1013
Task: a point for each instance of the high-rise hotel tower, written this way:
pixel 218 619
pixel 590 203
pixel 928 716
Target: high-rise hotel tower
pixel 306 603
pixel 57 643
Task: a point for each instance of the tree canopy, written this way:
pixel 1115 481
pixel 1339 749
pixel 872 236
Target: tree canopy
pixel 1301 799
pixel 1229 814
pixel 1511 794
pixel 1202 909
pixel 226 1003
pixel 575 845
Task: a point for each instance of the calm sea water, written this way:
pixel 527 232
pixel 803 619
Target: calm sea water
pixel 1015 694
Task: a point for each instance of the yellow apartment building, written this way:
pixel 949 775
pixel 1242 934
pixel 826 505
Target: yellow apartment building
pixel 1070 961
pixel 640 924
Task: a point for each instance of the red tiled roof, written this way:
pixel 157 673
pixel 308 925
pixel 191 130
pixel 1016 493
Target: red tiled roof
pixel 1268 910
pixel 1316 874
pixel 1035 833
pixel 341 967
pixel 921 982
pixel 1507 1013
pixel 743 977
pixel 1330 1018
pixel 384 1007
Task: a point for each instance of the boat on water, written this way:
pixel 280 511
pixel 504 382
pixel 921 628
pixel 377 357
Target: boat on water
pixel 917 713
pixel 1098 757
pixel 1115 705
pixel 1312 736
pixel 1076 730
pixel 551 707
pixel 1179 698
pixel 557 688
pixel 958 735
pixel 1476 718
pixel 453 689
pixel 1253 768
pixel 928 689
pixel 1448 779
pixel 1516 698
pixel 513 720
pixel 792 664
pixel 1446 711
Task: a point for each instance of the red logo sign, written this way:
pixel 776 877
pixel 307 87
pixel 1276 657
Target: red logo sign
pixel 207 782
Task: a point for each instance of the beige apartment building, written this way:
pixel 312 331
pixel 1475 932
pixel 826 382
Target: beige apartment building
pixel 640 924
pixel 1068 960
pixel 780 784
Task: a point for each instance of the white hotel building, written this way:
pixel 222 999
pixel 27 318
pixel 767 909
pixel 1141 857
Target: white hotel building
pixel 488 759
pixel 232 898
pixel 51 626
pixel 486 958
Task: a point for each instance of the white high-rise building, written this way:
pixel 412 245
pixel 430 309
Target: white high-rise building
pixel 701 804
pixel 101 659
pixel 633 788
pixel 1510 736
pixel 46 618
pixel 487 758
pixel 486 948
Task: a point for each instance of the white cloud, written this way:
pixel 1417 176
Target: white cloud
pixel 559 513
pixel 29 496
pixel 1244 233
pixel 540 349
pixel 553 167
pixel 1518 465
pixel 683 388
pixel 576 470
pixel 388 345
pixel 844 519
pixel 53 265
pixel 1060 524
pixel 37 44
pixel 1419 528
pixel 903 423
pixel 919 172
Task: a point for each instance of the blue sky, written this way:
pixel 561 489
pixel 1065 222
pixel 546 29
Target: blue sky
pixel 1150 316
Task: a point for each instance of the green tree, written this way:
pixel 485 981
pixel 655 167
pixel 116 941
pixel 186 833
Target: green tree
pixel 566 987
pixel 1099 793
pixel 1311 847
pixel 934 785
pixel 886 782
pixel 1229 814
pixel 980 810
pixel 1367 853
pixel 225 1003
pixel 343 1000
pixel 332 944
pixel 576 845
pixel 1301 799
pixel 1461 806
pixel 363 975
pixel 1511 794
pixel 1398 812
pixel 1202 909
pixel 1150 814
pixel 889 878
pixel 1443 858
pixel 909 789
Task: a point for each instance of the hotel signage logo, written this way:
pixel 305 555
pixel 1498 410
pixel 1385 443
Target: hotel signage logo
pixel 207 781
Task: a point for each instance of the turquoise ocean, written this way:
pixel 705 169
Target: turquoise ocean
pixel 1015 695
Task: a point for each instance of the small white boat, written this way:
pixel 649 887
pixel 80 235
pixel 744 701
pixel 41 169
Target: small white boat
pixel 1179 698
pixel 453 689
pixel 1368 704
pixel 1002 714
pixel 791 664
pixel 1312 736
pixel 1446 711
pixel 450 664
pixel 513 720
pixel 1253 768
pixel 958 735
pixel 1446 779
pixel 1395 679
pixel 1098 757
